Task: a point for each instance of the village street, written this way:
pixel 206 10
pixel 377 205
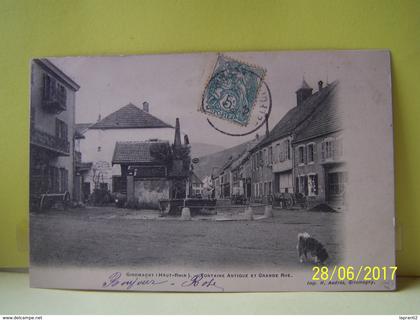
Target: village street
pixel 108 236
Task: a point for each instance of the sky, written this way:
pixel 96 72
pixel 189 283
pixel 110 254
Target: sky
pixel 173 85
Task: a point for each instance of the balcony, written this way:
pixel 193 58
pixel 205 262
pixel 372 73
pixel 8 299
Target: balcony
pixel 54 104
pixel 52 143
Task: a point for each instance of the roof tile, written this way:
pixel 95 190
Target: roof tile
pixel 297 115
pixel 135 152
pixel 130 116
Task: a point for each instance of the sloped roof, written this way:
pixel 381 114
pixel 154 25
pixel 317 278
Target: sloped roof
pixel 135 152
pixel 325 120
pixel 82 127
pixel 213 164
pixel 130 116
pixel 245 154
pixel 235 159
pixel 78 134
pixel 51 67
pixel 295 116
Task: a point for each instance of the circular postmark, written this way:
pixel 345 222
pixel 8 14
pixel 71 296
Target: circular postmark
pixel 236 107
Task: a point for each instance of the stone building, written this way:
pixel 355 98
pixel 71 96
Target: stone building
pixel 126 124
pixel 241 171
pixel 272 158
pixel 152 170
pixel 319 165
pixel 52 134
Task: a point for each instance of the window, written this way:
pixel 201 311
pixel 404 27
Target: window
pixel 313 184
pixel 303 185
pixel 49 87
pixel 338 147
pixel 284 150
pixel 53 90
pixel 270 155
pixel 269 189
pixel 61 94
pixel 265 157
pixel 278 152
pixel 327 150
pixel 301 155
pixel 61 130
pixel 332 148
pixel 336 182
pixel 311 153
pixel 99 150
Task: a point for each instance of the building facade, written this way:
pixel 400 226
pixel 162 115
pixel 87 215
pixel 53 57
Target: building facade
pixel 52 133
pixel 277 166
pixel 128 123
pixel 153 170
pixel 319 162
pixel 303 154
pixel 197 186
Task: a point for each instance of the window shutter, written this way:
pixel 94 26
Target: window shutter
pixel 316 184
pixel 323 150
pixel 314 146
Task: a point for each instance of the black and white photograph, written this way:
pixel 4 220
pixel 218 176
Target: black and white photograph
pixel 236 171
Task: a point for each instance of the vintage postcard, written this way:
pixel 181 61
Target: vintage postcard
pixel 218 172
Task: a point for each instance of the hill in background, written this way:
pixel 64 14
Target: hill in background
pixel 216 160
pixel 202 149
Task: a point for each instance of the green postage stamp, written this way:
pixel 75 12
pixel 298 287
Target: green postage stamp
pixel 232 90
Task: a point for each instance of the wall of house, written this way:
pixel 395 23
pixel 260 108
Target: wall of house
pixel 303 170
pixel 283 182
pixel 46 121
pixel 282 165
pixel 148 192
pixel 275 158
pixel 197 189
pixel 262 178
pixel 98 148
pixel 217 188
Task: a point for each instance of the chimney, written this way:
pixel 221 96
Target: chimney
pixel 146 106
pixel 177 139
pixel 99 117
pixel 303 93
pixel 320 83
pixel 186 139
